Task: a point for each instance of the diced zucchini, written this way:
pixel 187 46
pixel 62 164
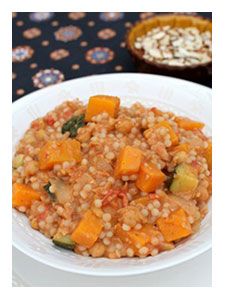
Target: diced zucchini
pixel 64 241
pixel 185 179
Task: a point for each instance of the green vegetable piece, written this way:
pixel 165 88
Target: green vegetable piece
pixel 185 179
pixel 47 189
pixel 64 241
pixel 73 124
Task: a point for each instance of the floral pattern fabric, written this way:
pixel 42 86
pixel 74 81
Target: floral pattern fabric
pixel 50 47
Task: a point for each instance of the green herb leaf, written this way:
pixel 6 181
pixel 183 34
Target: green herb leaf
pixel 73 124
pixel 46 188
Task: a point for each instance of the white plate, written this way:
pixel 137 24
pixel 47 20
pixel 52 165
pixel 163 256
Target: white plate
pixel 182 97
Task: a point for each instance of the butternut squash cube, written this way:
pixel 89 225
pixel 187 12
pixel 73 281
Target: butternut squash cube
pixel 173 136
pixel 149 178
pixel 128 161
pixel 188 124
pixel 88 230
pixel 175 226
pixel 134 237
pixel 102 103
pixel 23 195
pixel 56 152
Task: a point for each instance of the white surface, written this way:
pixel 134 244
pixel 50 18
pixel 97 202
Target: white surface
pixel 194 273
pixel 182 97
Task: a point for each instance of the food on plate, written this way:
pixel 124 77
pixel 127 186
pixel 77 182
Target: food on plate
pixel 149 178
pixel 88 230
pixel 175 226
pixel 128 161
pixel 59 151
pixel 185 179
pixel 64 241
pixel 100 103
pixel 104 180
pixel 23 195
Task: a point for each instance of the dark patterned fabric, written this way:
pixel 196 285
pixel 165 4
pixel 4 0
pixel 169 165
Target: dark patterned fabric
pixel 49 47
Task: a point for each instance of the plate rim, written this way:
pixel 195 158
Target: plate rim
pixel 100 273
pixel 18 102
pixel 21 102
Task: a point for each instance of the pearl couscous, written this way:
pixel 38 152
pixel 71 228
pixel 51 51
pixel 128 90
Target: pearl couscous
pixel 105 180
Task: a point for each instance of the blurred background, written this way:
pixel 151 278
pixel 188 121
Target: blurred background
pixel 49 48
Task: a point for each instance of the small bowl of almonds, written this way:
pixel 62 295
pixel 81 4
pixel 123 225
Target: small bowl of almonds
pixel 173 45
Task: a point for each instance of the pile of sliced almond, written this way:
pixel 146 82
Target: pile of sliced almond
pixel 176 46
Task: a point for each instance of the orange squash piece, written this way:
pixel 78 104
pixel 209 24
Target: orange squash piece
pixel 128 161
pixel 23 195
pixel 56 152
pixel 175 226
pixel 188 124
pixel 102 103
pixel 185 147
pixel 88 230
pixel 149 178
pixel 173 136
pixel 208 155
pixel 136 237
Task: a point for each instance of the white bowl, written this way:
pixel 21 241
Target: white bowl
pixel 182 97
